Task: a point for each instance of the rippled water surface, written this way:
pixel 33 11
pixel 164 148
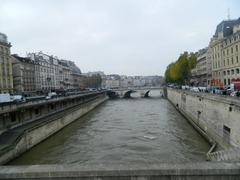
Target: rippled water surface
pixel 123 131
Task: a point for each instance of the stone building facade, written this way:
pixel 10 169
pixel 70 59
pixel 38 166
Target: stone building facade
pixel 117 81
pixel 24 76
pixel 54 74
pixel 77 81
pixel 209 66
pixel 225 53
pixel 200 73
pixel 6 78
pixel 45 72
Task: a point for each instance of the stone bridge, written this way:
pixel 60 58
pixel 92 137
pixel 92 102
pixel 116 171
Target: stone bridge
pixel 126 92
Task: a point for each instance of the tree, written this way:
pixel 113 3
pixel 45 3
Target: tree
pixel 180 71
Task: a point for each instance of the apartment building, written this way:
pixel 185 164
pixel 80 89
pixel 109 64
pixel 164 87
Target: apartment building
pixel 23 75
pixel 225 53
pixel 199 73
pixel 6 78
pixel 54 74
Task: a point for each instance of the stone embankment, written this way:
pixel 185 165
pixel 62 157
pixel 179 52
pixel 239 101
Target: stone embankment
pixel 215 117
pixel 16 141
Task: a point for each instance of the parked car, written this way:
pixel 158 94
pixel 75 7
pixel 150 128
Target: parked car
pixel 195 89
pixel 18 98
pixel 235 93
pixel 185 87
pixel 51 95
pixel 228 90
pixel 34 98
pixel 202 89
pixel 219 91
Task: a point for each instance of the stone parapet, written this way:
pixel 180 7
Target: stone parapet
pixel 186 171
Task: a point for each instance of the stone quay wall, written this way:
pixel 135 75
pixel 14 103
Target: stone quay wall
pixel 216 117
pixel 53 123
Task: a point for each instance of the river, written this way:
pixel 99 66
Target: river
pixel 123 131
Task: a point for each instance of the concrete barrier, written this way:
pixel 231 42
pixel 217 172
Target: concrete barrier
pixel 185 171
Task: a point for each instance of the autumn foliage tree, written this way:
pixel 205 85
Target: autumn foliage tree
pixel 180 71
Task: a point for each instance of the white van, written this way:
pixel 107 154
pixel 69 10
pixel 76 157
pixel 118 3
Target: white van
pixel 5 98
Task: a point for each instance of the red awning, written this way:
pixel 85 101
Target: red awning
pixel 237 85
pixel 236 80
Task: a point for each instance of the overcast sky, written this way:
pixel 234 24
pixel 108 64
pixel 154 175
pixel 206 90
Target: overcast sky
pixel 132 37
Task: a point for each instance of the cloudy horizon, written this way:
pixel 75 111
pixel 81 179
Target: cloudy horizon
pixel 127 37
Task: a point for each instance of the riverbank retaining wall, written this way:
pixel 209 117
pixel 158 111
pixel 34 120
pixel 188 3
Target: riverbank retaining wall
pixel 216 117
pixel 40 132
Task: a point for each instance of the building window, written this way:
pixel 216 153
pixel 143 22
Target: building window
pixel 224 73
pixel 237 71
pixel 232 61
pixel 236 48
pixel 232 72
pixel 225 82
pixel 228 62
pixel 36 111
pixel 236 59
pixel 227 51
pixel 232 50
pixel 228 72
pixel 224 63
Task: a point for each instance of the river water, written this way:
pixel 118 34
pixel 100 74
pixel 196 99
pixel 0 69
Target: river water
pixel 123 131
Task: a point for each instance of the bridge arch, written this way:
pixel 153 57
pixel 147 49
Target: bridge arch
pixel 112 94
pixel 146 95
pixel 128 94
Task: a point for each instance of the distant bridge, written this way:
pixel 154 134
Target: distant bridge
pixel 126 92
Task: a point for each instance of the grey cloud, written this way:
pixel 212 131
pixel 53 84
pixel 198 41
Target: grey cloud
pixel 131 37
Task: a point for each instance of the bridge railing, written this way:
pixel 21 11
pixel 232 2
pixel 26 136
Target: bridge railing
pixel 204 170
